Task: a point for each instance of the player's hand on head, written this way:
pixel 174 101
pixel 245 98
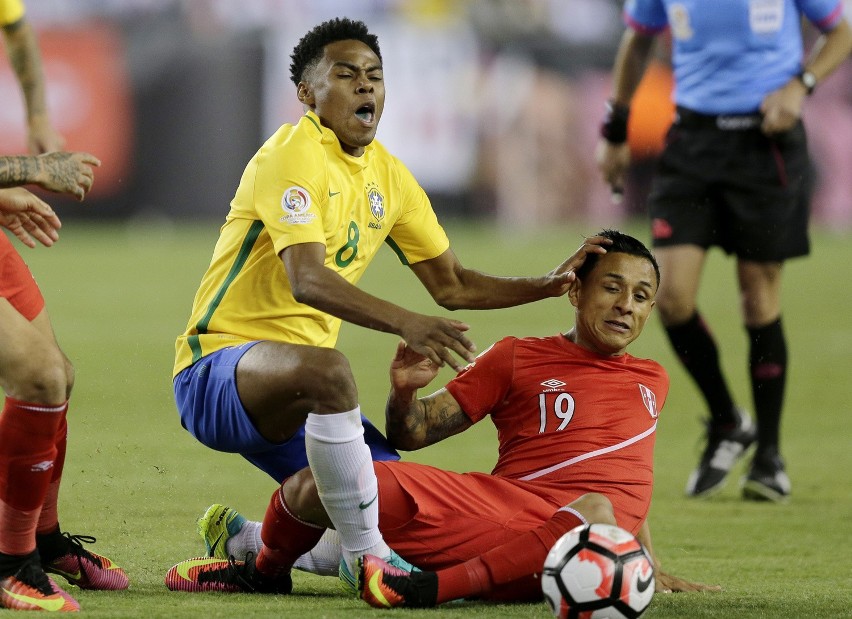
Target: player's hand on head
pixel 562 276
pixel 441 340
pixel 68 172
pixel 28 217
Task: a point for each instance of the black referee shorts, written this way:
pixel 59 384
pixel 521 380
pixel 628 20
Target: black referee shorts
pixel 720 181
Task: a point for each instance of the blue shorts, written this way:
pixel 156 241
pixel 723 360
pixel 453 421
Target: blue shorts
pixel 211 410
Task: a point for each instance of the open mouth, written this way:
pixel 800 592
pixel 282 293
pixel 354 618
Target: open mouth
pixel 618 324
pixel 366 113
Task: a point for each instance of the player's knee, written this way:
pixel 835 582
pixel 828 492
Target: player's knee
pixel 41 378
pixel 302 498
pixel 595 508
pixel 675 309
pixel 70 375
pixel 335 384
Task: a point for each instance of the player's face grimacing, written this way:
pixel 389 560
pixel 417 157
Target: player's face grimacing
pixel 613 302
pixel 346 90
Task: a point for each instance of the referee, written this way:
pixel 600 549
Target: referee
pixel 735 173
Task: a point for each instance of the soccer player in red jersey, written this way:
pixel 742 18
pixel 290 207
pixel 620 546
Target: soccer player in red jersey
pixel 36 378
pixel 576 418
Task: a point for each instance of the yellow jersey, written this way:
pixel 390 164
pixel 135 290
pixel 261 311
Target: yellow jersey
pixel 301 187
pixel 10 11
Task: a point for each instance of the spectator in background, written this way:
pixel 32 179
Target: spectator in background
pixel 23 52
pixel 735 173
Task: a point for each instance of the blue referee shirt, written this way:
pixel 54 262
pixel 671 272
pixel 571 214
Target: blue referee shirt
pixel 729 54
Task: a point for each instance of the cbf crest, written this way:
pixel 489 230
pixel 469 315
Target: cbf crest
pixel 650 400
pixel 376 200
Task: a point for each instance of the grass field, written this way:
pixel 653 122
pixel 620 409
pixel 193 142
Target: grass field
pixel 119 294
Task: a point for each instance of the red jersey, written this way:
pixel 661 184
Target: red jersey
pixel 568 418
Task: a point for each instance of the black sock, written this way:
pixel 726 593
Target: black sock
pixel 51 545
pixel 696 348
pixel 10 564
pixel 768 369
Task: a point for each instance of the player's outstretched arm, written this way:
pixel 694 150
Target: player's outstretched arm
pixel 28 217
pixel 63 172
pixel 455 287
pixel 412 423
pixel 440 339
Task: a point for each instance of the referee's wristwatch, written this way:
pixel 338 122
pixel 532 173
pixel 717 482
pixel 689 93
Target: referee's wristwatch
pixel 808 80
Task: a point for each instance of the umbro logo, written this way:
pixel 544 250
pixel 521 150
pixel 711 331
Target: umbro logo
pixel 42 466
pixel 553 383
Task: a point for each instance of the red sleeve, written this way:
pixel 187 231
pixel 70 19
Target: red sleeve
pixel 483 384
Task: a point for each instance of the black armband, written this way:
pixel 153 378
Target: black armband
pixel 614 127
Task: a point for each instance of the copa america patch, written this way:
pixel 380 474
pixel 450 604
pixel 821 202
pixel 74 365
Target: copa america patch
pixel 650 400
pixel 295 202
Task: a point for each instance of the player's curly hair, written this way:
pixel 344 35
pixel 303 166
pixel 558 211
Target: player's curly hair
pixel 623 243
pixel 309 50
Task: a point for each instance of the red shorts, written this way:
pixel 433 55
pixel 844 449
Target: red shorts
pixel 436 518
pixel 16 282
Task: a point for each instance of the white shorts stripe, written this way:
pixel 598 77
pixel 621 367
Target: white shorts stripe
pixel 591 454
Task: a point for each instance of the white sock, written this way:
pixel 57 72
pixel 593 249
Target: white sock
pixel 247 540
pixel 343 471
pixel 324 558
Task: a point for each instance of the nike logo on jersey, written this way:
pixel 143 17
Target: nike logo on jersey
pixel 331 193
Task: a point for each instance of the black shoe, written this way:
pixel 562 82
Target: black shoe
pixel 725 447
pixel 382 585
pixel 27 587
pixel 766 480
pixel 231 576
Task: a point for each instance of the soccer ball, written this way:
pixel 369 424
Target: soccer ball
pixel 598 571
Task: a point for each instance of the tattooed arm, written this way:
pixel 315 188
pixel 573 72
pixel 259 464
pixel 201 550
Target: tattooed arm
pixel 411 422
pixel 25 58
pixel 69 173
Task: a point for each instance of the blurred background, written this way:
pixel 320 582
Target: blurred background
pixel 493 104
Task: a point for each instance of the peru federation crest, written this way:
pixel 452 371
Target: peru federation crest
pixel 377 201
pixel 650 400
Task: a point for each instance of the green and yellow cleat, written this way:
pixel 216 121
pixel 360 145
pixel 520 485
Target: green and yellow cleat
pixel 219 524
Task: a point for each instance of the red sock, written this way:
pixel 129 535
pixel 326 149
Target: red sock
pixel 48 521
pixel 27 455
pixel 285 537
pixel 519 562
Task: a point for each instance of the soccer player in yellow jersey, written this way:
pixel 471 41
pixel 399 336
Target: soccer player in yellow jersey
pixel 256 371
pixel 23 52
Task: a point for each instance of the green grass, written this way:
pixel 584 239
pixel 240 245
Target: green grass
pixel 120 294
